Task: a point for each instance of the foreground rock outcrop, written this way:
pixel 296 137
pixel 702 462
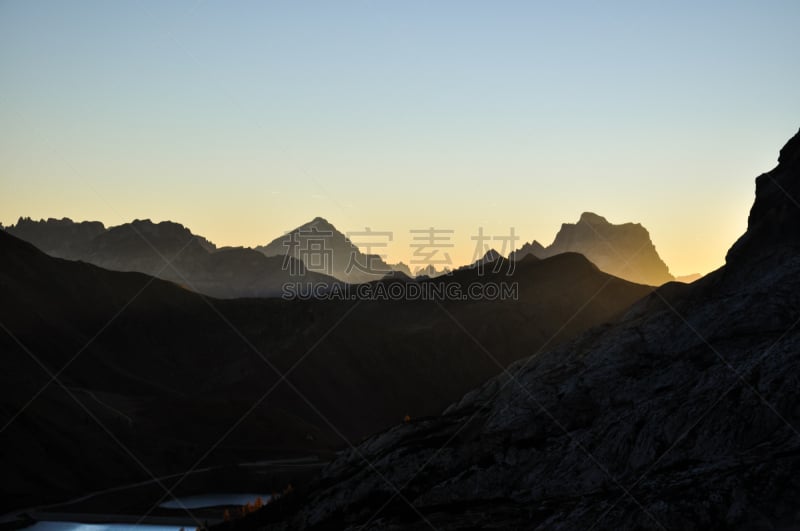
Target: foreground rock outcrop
pixel 685 415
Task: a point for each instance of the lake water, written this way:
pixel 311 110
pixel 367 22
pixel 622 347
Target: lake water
pixel 212 500
pixel 74 526
pixel 190 502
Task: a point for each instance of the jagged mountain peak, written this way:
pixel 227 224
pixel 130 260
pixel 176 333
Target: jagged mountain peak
pixel 319 223
pixel 26 221
pixel 624 250
pixel 534 249
pixel 491 255
pixel 63 237
pixel 338 257
pixel 146 232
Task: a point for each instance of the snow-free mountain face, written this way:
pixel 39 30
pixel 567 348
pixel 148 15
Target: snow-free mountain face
pixel 625 250
pixel 169 251
pixel 684 415
pixel 62 238
pixel 326 250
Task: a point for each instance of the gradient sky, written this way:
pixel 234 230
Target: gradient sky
pixel 243 120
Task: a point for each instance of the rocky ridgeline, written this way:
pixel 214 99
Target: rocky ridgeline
pixel 685 415
pixel 624 251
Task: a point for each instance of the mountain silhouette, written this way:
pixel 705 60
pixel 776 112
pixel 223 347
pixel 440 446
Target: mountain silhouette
pixel 168 251
pixel 58 237
pixel 430 271
pixel 491 258
pixel 335 255
pixel 169 371
pixel 402 268
pixel 533 248
pixel 625 251
pixel 682 415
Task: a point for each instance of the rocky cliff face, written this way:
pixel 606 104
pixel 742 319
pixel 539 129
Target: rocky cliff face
pixel 683 416
pixel 625 250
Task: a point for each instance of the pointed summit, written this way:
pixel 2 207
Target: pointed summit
pixel 592 218
pixel 333 253
pixel 319 223
pixel 488 257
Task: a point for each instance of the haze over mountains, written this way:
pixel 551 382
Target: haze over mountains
pixel 625 251
pixel 169 251
pixel 683 415
pixel 194 262
pixel 342 259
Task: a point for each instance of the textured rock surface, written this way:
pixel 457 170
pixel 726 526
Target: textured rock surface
pixel 685 415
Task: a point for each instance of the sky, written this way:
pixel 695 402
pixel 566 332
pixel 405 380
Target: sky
pixel 242 120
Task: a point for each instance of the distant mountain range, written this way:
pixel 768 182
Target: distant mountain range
pixel 169 251
pixel 625 251
pixel 315 252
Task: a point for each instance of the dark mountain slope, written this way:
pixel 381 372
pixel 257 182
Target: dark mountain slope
pixel 157 377
pixel 682 416
pixel 168 376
